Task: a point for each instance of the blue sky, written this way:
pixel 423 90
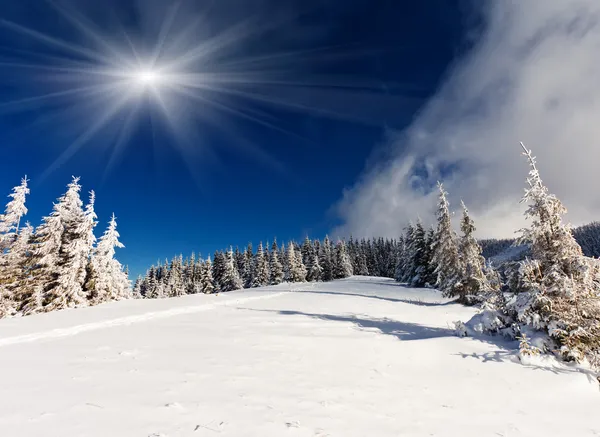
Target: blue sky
pixel 238 180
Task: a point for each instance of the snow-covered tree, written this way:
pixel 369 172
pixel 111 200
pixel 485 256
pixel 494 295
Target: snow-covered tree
pixel 14 272
pixel 112 282
pixel 15 210
pixel 65 289
pixel 314 270
pixel 295 270
pixel 261 268
pixel 218 270
pixel 206 278
pixel 248 274
pixel 175 285
pixel 326 259
pixel 343 265
pixel 559 288
pixel 275 267
pixel 445 251
pixel 472 276
pixel 231 280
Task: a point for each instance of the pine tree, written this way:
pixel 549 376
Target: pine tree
pixel 275 266
pixel 326 260
pixel 206 278
pixel 112 282
pixel 218 270
pixel 248 275
pixel 14 275
pixel 559 285
pixel 15 210
pixel 295 272
pixel 261 268
pixel 240 261
pixel 343 265
pixel 66 287
pixel 445 251
pixel 314 271
pixel 231 280
pixel 175 285
pixel 472 277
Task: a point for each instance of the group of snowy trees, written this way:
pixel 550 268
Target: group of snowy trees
pixel 554 290
pixel 230 270
pixel 58 264
pixel 437 257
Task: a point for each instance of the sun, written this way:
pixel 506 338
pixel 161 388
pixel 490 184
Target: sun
pixel 147 78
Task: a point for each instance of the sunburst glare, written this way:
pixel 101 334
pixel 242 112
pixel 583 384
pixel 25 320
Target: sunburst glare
pixel 192 77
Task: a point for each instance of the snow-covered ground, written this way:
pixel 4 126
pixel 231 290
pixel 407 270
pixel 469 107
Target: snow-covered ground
pixel 358 357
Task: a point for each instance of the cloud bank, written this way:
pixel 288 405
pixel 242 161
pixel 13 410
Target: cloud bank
pixel 532 76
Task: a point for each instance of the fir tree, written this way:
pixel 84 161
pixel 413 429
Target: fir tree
pixel 343 265
pixel 261 268
pixel 296 272
pixel 15 210
pixel 218 270
pixel 314 271
pixel 112 282
pixel 326 260
pixel 65 289
pixel 206 278
pixel 445 252
pixel 248 274
pixel 472 277
pixel 559 285
pixel 231 280
pixel 275 266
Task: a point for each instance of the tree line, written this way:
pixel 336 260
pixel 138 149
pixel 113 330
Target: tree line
pixel 60 264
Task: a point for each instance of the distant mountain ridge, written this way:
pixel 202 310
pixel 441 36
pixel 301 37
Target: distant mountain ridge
pixel 501 250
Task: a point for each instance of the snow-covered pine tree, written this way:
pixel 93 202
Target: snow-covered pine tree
pixel 314 270
pixel 15 210
pixel 152 290
pixel 137 288
pixel 206 278
pixel 275 266
pixel 65 288
pixel 218 270
pixel 306 249
pixel 240 261
pixel 231 280
pixel 445 251
pixel 400 260
pixel 472 277
pixel 343 265
pixel 113 282
pixel 363 269
pixel 175 284
pixel 419 261
pixel 326 259
pixel 14 274
pixel 300 267
pixel 295 271
pixel 559 287
pixel 248 276
pixel 91 220
pixel 261 268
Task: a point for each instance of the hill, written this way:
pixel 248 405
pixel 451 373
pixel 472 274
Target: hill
pixel 356 357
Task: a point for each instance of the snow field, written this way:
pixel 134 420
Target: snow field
pixel 356 357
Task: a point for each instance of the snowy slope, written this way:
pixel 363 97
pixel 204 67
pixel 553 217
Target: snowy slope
pixel 359 357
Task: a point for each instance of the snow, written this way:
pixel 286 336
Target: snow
pixel 356 357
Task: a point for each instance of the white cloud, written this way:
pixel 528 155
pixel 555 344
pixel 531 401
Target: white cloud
pixel 534 76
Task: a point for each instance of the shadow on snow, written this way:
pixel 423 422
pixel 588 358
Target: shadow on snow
pixel 507 350
pixel 387 299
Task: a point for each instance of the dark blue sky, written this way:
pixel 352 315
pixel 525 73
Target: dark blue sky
pixel 239 180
